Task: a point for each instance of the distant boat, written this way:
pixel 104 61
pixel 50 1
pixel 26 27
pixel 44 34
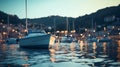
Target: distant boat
pixel 12 41
pixel 92 36
pixel 105 39
pixel 91 39
pixel 66 39
pixel 37 39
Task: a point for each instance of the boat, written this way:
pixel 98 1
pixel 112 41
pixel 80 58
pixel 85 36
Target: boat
pixel 37 39
pixel 66 39
pixel 92 34
pixel 91 39
pixel 105 39
pixel 9 39
pixel 12 41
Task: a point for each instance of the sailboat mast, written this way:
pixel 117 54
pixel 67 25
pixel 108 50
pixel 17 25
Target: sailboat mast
pixel 92 23
pixel 54 26
pixel 73 25
pixel 8 20
pixel 8 25
pixel 67 24
pixel 26 14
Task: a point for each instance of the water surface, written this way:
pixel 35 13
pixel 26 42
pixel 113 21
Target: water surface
pixel 104 54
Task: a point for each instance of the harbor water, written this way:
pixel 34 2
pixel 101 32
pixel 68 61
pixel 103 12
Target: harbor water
pixel 83 54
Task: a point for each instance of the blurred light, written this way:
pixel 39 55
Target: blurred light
pixel 57 31
pixel 73 31
pixel 16 31
pixel 118 28
pixel 3 26
pixel 71 35
pixel 104 28
pixel 4 33
pixel 52 59
pixel 62 31
pixel 81 34
pixel 66 31
pixel 113 27
pixel 94 45
pixel 56 36
pixel 89 35
pixel 49 28
pixel 20 37
pixel 10 24
pixel 25 30
pixel 93 30
pixel 104 35
pixel 49 33
pixel 26 65
pixel 118 43
pixel 85 29
pixel 13 30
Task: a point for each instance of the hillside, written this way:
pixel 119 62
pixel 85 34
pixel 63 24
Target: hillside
pixel 13 19
pixel 99 18
pixel 102 17
pixel 59 21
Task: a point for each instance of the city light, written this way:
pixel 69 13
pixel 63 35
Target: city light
pixel 4 33
pixel 62 31
pixel 94 31
pixel 118 28
pixel 73 31
pixel 25 30
pixel 13 30
pixel 57 31
pixel 89 35
pixel 16 31
pixel 81 34
pixel 85 29
pixel 3 26
pixel 113 27
pixel 66 32
pixel 105 29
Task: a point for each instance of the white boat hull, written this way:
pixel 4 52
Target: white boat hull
pixel 37 42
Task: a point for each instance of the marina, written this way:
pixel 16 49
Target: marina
pixel 20 47
pixel 59 40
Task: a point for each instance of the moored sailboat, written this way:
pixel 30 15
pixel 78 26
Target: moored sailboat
pixel 36 38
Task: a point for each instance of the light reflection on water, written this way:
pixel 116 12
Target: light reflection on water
pixel 118 51
pixel 62 54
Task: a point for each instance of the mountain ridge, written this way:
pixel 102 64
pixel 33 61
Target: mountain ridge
pixel 99 18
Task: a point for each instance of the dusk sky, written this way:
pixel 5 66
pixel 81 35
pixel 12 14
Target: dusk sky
pixel 44 8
